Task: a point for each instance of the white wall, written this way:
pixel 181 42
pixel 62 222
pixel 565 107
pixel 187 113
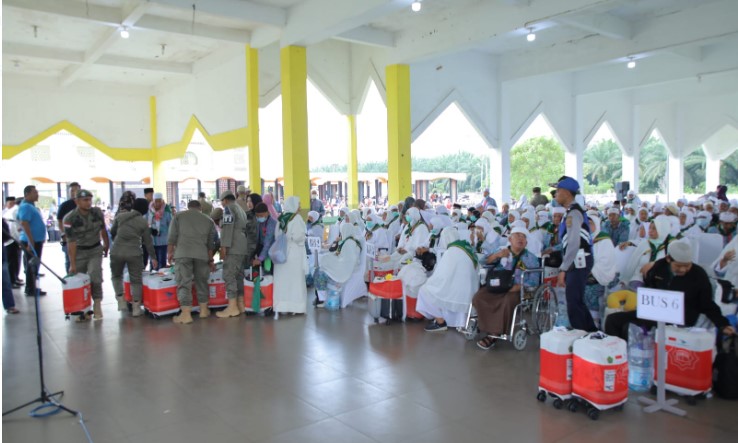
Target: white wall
pixel 216 96
pixel 117 115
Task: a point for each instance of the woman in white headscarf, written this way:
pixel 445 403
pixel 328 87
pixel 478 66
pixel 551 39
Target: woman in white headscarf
pixel 314 225
pixel 341 267
pixel 512 217
pixel 394 226
pixel 415 274
pixel 648 251
pixel 446 296
pixel 416 235
pixel 639 229
pixel 335 229
pixel 603 272
pixel 687 226
pixel 535 239
pixel 290 292
pixel 376 233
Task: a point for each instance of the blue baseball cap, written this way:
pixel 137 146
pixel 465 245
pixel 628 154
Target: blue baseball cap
pixel 569 184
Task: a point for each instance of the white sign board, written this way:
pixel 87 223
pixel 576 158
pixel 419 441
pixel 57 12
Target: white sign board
pixel 371 251
pixel 660 305
pixel 314 243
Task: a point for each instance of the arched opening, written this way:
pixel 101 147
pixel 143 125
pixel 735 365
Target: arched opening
pixel 652 164
pixel 602 163
pixel 536 159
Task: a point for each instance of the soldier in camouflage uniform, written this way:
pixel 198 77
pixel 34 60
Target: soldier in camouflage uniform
pixel 190 245
pixel 84 227
pixel 233 250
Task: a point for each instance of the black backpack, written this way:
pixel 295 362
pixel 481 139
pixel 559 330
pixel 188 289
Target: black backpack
pixel 726 370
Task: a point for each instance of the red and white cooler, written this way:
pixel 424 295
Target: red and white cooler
pixel 267 294
pixel 600 370
pixel 127 287
pixel 216 290
pixel 161 294
pixel 689 360
pixel 557 362
pixel 77 294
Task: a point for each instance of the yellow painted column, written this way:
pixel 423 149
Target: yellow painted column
pixel 158 179
pixel 352 199
pixel 399 165
pixel 294 124
pixel 252 109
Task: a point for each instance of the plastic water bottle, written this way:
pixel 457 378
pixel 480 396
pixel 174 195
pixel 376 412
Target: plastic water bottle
pixel 640 359
pixel 333 302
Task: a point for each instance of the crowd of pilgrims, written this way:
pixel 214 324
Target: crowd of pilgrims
pixel 439 250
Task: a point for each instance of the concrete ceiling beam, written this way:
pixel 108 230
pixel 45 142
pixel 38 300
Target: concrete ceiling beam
pixel 234 9
pixel 604 24
pixel 366 35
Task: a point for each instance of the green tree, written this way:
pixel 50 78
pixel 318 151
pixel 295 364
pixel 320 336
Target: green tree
pixel 694 172
pixel 536 162
pixel 729 172
pixel 603 167
pixel 652 167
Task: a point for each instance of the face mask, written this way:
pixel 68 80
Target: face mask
pixel 340 219
pixel 370 225
pixel 434 231
pixel 408 219
pixel 261 219
pixel 473 218
pixel 395 213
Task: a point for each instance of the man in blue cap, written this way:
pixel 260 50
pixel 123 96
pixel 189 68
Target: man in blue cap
pixel 577 253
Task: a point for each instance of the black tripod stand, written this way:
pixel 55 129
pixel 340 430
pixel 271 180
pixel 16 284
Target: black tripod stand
pixel 49 403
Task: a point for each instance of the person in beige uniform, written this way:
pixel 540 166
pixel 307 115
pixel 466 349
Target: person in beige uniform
pixel 233 251
pixel 205 205
pixel 190 246
pixel 129 231
pixel 243 197
pixel 84 227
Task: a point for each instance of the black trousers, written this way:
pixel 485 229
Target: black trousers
pixel 14 261
pixel 576 282
pixel 618 322
pixel 32 272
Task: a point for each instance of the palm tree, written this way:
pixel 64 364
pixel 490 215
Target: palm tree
pixel 694 171
pixel 653 166
pixel 602 164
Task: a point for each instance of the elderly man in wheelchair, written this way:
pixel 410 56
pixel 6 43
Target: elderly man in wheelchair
pixel 513 286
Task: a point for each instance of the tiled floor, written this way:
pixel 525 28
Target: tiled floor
pixel 326 377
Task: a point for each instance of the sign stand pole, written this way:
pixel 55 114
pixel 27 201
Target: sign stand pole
pixel 661 403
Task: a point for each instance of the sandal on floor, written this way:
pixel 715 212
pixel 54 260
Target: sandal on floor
pixel 487 343
pixel 12 311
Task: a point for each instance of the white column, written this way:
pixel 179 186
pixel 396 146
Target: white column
pixel 574 163
pixel 630 170
pixel 712 174
pixel 675 176
pixel 499 169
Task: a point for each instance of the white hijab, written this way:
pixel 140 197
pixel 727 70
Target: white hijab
pixel 291 204
pixel 339 267
pixel 604 268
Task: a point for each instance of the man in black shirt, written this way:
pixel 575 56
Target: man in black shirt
pixel 676 272
pixel 64 209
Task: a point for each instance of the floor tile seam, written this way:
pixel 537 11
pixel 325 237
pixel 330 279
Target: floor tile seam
pixel 435 426
pixel 351 409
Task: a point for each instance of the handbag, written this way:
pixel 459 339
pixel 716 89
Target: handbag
pixel 500 281
pixel 278 250
pixel 728 294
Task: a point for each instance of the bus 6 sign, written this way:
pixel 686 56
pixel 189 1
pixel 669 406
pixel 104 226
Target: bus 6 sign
pixel 660 305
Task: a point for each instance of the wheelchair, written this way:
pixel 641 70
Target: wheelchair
pixel 535 313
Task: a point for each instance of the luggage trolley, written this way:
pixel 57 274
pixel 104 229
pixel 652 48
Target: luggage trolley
pixel 540 301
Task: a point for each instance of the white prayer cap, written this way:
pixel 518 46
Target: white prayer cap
pixel 518 230
pixel 613 211
pixel 158 196
pixel 681 251
pixel 558 210
pixel 728 217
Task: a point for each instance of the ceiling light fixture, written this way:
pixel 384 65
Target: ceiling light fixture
pixel 124 32
pixel 416 6
pixel 531 35
pixel 631 63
